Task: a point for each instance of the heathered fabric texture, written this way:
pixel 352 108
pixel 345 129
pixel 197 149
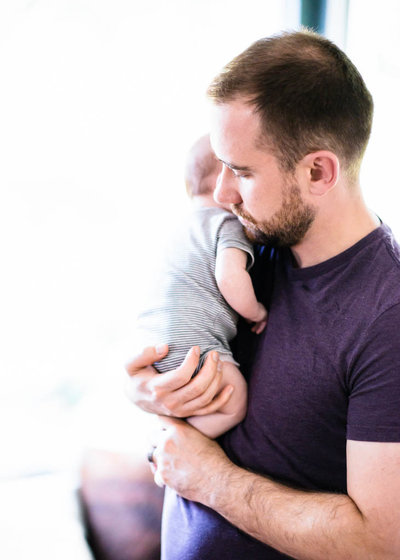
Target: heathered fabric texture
pixel 187 307
pixel 326 369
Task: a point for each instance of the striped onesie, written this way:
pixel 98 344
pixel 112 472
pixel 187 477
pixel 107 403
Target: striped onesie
pixel 188 308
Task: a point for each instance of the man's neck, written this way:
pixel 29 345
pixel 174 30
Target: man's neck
pixel 331 234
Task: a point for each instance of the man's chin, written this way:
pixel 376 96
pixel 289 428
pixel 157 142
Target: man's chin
pixel 254 235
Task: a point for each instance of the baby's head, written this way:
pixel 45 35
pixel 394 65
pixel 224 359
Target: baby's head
pixel 201 170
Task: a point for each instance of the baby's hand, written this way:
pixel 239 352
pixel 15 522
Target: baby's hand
pixel 260 320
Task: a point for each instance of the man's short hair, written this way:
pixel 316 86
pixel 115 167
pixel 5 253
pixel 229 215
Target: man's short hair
pixel 309 96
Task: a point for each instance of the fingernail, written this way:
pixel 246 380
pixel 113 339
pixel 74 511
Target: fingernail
pixel 215 356
pixel 161 348
pixel 196 351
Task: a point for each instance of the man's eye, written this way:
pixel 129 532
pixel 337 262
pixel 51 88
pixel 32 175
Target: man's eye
pixel 240 175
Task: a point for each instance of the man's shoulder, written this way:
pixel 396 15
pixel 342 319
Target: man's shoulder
pixel 384 267
pixel 392 246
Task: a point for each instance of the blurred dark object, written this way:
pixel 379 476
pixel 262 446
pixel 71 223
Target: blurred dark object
pixel 313 15
pixel 121 507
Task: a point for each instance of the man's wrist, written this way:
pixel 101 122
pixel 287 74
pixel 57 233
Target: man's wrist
pixel 226 480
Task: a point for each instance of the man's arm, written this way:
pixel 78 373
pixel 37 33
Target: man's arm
pixel 363 525
pixel 176 393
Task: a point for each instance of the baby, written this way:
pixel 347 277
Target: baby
pixel 203 286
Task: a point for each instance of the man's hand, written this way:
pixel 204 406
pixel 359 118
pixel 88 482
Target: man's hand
pixel 302 524
pixel 186 460
pixel 176 393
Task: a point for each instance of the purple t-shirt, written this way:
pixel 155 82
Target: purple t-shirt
pixel 326 369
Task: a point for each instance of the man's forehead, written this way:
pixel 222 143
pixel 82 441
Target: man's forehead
pixel 234 130
pixel 234 113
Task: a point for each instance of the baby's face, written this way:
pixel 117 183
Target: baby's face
pixel 208 201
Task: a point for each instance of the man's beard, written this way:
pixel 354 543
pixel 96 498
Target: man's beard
pixel 286 227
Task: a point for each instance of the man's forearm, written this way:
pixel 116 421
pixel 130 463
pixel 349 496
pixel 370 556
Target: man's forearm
pixel 305 525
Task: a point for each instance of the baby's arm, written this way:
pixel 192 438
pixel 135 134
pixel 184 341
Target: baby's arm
pixel 235 285
pixel 230 414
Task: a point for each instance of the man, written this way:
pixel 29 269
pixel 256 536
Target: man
pixel 313 470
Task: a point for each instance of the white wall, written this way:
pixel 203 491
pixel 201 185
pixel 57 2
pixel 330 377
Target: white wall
pixel 374 45
pixel 99 101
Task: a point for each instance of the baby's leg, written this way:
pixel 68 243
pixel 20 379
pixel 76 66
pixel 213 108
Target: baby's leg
pixel 233 412
pixel 231 375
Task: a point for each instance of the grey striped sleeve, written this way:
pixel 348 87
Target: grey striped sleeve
pixel 231 235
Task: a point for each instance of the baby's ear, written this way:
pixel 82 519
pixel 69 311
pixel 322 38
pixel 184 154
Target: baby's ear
pixel 322 170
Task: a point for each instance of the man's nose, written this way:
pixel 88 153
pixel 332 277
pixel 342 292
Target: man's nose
pixel 226 189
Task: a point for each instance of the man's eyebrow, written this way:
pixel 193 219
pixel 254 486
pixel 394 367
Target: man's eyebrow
pixel 234 166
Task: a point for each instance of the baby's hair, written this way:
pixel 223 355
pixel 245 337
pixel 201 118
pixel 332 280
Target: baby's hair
pixel 201 165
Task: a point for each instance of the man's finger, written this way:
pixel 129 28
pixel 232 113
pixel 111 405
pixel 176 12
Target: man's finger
pixel 203 394
pixel 158 480
pixel 146 358
pixel 178 377
pixel 199 384
pixel 220 400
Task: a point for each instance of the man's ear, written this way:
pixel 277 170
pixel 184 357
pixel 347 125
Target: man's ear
pixel 322 169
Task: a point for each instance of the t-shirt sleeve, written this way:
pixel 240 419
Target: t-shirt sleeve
pixel 231 235
pixel 374 400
